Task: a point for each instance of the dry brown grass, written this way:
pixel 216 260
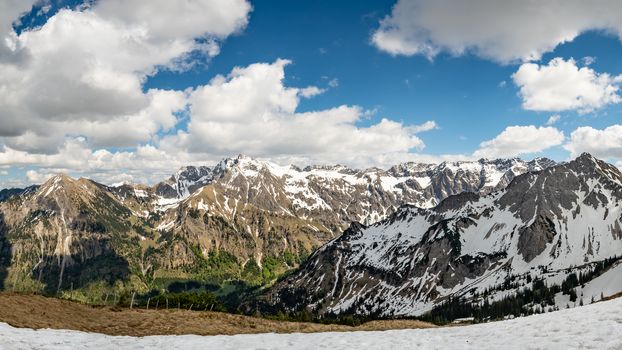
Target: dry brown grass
pixel 33 311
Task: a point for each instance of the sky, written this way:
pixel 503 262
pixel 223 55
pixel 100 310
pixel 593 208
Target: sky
pixel 131 90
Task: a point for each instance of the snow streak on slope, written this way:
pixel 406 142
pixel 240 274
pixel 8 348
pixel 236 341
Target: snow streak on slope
pixel 596 326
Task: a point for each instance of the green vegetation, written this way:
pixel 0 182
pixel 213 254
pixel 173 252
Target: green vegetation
pixel 221 266
pixel 217 267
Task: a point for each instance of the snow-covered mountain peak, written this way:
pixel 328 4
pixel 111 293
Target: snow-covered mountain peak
pixel 184 182
pixel 411 168
pixel 240 163
pixel 310 190
pixel 588 165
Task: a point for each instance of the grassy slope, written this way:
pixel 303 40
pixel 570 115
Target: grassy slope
pixel 32 311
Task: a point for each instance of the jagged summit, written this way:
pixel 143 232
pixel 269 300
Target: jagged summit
pixel 588 161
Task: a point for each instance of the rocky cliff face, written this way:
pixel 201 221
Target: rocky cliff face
pixel 546 224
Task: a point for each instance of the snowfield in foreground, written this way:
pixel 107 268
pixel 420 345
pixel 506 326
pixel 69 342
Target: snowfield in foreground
pixel 596 326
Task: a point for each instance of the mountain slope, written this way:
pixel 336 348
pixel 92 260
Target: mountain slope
pixel 68 233
pixel 545 224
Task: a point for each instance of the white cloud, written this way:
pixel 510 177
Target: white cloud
pixel 250 111
pixel 519 140
pixel 588 60
pixel 333 83
pixel 36 177
pixel 73 88
pixel 553 119
pixel 427 126
pixel 10 11
pixel 311 91
pixel 143 164
pixel 605 143
pixel 503 31
pixel 84 70
pixel 562 85
pixel 170 20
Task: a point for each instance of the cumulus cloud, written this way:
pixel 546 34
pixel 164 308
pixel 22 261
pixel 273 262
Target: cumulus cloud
pixel 248 111
pixel 519 140
pixel 142 164
pixel 73 89
pixel 605 143
pixel 37 177
pixel 85 70
pixel 503 31
pixel 10 12
pixel 427 126
pixel 170 20
pixel 588 60
pixel 311 91
pixel 251 111
pixel 561 85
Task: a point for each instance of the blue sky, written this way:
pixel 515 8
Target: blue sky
pixel 457 76
pixel 332 39
pixel 329 39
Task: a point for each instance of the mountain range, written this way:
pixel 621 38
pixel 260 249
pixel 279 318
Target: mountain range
pixel 547 237
pixel 413 240
pixel 242 219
